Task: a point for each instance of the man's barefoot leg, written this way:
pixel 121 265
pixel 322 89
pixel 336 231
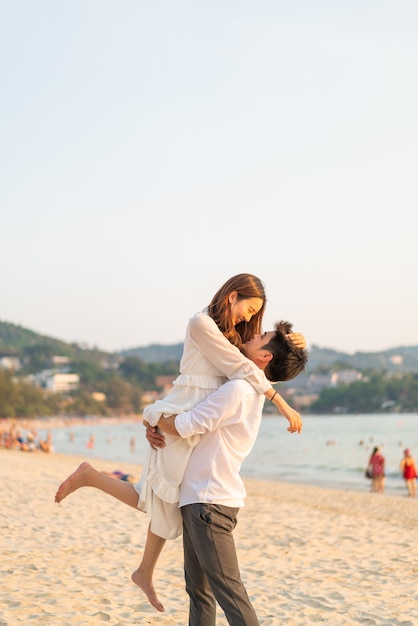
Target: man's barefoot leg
pixel 86 476
pixel 143 575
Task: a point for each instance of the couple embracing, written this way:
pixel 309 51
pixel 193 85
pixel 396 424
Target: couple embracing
pixel 206 426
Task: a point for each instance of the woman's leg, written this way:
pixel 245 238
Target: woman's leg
pixel 86 476
pixel 411 486
pixel 143 575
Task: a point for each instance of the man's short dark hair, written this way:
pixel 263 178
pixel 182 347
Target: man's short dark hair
pixel 288 361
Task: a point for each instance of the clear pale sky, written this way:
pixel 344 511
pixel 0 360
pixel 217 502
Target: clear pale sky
pixel 152 149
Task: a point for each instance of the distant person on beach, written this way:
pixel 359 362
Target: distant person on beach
pixel 409 472
pixel 236 408
pixel 46 445
pixel 119 475
pixel 27 444
pixel 377 470
pixel 211 355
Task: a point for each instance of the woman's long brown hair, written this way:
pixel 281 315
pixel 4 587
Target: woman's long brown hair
pixel 246 286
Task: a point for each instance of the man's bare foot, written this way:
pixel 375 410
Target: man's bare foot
pixel 148 588
pixel 77 479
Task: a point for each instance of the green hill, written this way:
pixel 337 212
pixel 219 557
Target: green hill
pixel 156 353
pixel 402 359
pixel 16 340
pixel 34 348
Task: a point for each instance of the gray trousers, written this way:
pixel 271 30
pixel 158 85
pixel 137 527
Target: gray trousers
pixel 211 566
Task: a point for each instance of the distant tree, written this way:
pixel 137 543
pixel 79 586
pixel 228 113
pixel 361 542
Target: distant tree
pixel 31 401
pixel 370 395
pixel 8 395
pixel 136 371
pixel 144 374
pixel 82 403
pixel 20 399
pixel 37 357
pixel 91 373
pixel 118 394
pixel 136 400
pixel 406 392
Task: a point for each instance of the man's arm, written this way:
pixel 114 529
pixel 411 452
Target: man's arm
pixel 205 416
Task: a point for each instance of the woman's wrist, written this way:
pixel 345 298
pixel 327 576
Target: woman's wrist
pixel 280 403
pixel 276 399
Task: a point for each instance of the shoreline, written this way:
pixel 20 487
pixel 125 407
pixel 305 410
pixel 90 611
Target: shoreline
pixel 395 485
pixel 307 554
pixel 59 421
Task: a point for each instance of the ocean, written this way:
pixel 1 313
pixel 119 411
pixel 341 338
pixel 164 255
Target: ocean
pixel 331 451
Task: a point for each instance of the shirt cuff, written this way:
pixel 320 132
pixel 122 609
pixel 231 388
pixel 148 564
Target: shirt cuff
pixel 183 425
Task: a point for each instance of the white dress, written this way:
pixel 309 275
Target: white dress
pixel 208 360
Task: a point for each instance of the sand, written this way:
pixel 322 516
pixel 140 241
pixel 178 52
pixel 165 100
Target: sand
pixel 308 555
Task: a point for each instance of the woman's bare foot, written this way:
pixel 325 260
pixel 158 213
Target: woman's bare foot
pixel 77 479
pixel 148 588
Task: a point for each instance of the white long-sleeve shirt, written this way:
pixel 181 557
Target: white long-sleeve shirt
pixel 228 421
pixel 208 360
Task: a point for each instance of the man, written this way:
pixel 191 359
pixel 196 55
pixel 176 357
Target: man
pixel 212 490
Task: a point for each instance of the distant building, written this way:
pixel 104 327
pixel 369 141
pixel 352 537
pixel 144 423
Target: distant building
pixel 10 363
pixel 62 383
pixel 304 401
pixel 148 397
pixel 98 396
pixel 60 361
pixel 316 382
pixel 111 362
pixel 166 382
pixel 396 359
pixel 345 377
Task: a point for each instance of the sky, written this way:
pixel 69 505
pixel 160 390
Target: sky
pixel 150 150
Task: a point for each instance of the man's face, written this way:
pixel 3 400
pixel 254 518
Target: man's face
pixel 254 350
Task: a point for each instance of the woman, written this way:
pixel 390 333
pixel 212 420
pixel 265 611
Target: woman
pixel 377 466
pixel 409 472
pixel 211 355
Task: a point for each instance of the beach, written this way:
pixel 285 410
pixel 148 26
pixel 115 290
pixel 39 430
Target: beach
pixel 308 555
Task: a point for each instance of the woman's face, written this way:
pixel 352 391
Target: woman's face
pixel 243 310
